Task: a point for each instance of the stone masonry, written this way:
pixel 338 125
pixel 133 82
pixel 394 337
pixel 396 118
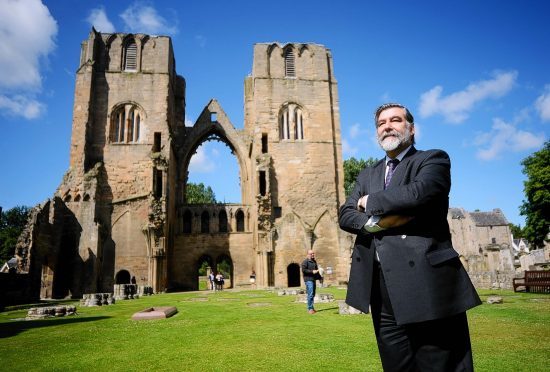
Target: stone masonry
pixel 120 214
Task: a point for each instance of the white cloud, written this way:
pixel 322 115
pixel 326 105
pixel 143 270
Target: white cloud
pixel 456 107
pixel 21 106
pixel 505 137
pixel 356 131
pixel 201 162
pixel 98 18
pixel 142 18
pixel 542 104
pixel 188 122
pixel 201 40
pixel 347 149
pixel 27 31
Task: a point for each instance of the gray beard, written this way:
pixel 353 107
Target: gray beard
pixel 393 142
pixel 390 143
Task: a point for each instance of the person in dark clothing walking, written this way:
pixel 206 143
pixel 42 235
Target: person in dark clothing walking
pixel 310 271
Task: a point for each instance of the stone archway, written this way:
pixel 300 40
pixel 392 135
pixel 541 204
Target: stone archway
pixel 224 265
pixel 122 277
pixel 228 234
pixel 205 265
pixel 213 124
pixel 293 275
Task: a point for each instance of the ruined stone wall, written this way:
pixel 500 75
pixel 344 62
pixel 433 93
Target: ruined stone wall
pixel 189 248
pixel 111 182
pixel 485 250
pixel 120 206
pixel 305 175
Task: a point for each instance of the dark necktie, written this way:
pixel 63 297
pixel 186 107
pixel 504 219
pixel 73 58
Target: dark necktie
pixel 392 164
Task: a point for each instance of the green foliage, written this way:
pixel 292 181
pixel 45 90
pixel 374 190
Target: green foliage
pixel 202 269
pixel 200 194
pixel 536 208
pixel 352 168
pixel 224 267
pixel 12 223
pixel 254 331
pixel 516 231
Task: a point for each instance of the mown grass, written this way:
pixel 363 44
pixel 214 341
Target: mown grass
pixel 253 331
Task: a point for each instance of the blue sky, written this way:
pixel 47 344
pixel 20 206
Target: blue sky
pixel 475 74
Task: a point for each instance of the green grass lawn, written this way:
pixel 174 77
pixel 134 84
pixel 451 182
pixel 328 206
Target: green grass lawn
pixel 253 331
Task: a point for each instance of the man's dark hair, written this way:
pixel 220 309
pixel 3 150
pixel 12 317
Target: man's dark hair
pixel 386 106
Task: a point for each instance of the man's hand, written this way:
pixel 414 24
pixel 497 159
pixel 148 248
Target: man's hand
pixel 393 220
pixel 362 203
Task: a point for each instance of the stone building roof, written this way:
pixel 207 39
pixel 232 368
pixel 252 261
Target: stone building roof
pixel 494 218
pixel 456 213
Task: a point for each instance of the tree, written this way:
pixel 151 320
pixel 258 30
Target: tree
pixel 536 208
pixel 12 223
pixel 516 231
pixel 352 168
pixel 200 194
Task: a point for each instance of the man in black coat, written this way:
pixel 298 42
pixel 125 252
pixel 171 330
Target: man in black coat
pixel 310 271
pixel 403 264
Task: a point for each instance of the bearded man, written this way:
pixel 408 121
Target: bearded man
pixel 403 264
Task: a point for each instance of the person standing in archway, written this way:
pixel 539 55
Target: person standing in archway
pixel 310 271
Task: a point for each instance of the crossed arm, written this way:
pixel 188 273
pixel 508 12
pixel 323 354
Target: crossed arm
pixel 388 221
pixel 430 180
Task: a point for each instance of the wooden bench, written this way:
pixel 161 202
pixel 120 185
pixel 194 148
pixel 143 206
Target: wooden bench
pixel 533 281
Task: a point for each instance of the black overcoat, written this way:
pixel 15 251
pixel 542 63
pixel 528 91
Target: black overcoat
pixel 422 271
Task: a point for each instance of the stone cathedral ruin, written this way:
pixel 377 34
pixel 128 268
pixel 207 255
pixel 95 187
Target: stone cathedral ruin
pixel 120 215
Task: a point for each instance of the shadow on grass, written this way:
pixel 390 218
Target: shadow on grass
pixel 14 327
pixel 327 309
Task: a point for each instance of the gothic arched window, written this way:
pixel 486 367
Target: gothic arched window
pixel 291 121
pixel 298 124
pixel 187 222
pixel 205 222
pixel 130 56
pixel 290 67
pixel 222 221
pixel 240 220
pixel 126 124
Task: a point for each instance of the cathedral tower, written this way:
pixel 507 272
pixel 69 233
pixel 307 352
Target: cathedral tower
pixel 292 114
pixel 128 110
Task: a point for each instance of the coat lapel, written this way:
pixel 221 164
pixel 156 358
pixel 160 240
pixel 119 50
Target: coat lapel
pixel 377 180
pixel 399 174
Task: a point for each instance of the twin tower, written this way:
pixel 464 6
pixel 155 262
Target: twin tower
pixel 121 214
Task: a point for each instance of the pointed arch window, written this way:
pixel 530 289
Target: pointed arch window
pixel 298 124
pixel 285 124
pixel 291 122
pixel 126 123
pixel 187 222
pixel 205 222
pixel 130 56
pixel 222 221
pixel 240 220
pixel 290 67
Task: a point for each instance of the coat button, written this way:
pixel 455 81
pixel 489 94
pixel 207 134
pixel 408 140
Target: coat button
pixel 403 236
pixel 358 259
pixel 411 263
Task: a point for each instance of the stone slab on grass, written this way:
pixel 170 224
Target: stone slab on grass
pixel 155 313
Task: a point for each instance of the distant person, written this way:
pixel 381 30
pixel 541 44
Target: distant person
pixel 403 263
pixel 310 272
pixel 219 281
pixel 212 280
